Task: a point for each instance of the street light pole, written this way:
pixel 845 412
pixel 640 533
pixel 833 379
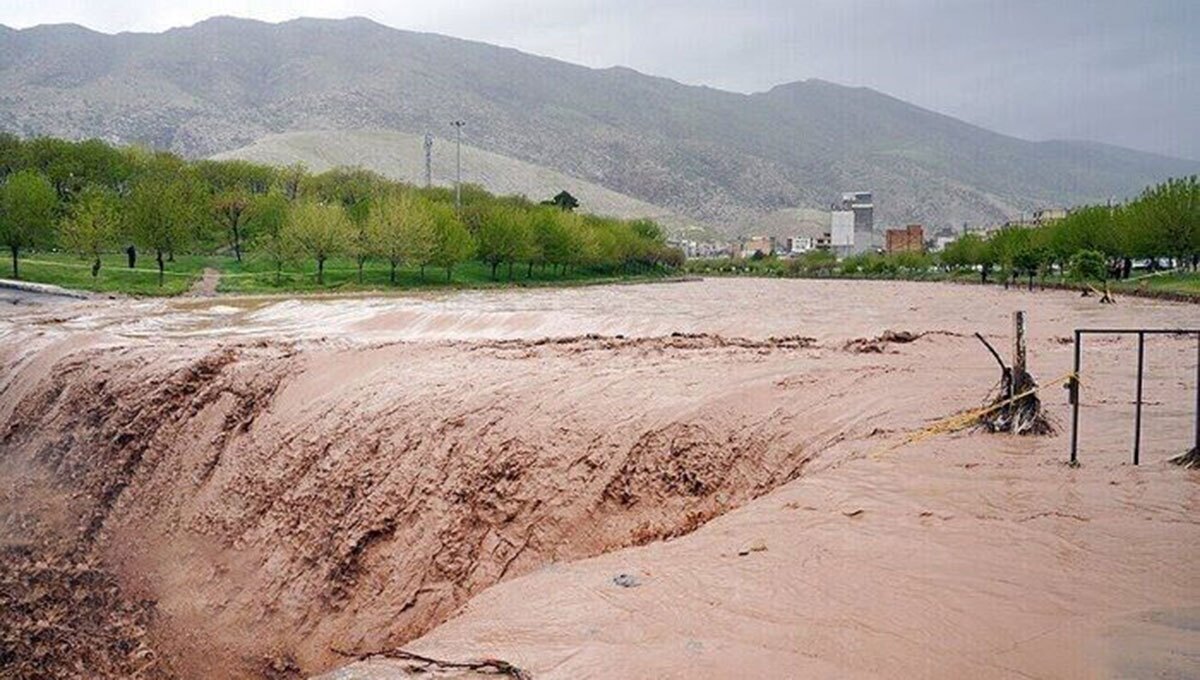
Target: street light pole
pixel 428 160
pixel 458 126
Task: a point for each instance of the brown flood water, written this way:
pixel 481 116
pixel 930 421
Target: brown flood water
pixel 291 481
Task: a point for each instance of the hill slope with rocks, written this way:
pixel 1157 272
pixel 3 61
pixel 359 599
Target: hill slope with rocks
pixel 720 158
pixel 401 156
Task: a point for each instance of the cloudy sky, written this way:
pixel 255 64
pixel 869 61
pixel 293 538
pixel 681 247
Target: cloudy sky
pixel 1125 72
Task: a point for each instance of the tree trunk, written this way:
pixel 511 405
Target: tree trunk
pixel 393 274
pixel 237 244
pixel 448 270
pixel 96 268
pixel 360 267
pixel 494 265
pixel 320 271
pixel 530 274
pixel 16 273
pixel 278 271
pixel 422 272
pixel 158 257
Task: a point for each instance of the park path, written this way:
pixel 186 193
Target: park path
pixel 206 285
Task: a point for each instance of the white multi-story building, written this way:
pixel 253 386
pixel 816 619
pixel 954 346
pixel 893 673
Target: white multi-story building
pixel 841 232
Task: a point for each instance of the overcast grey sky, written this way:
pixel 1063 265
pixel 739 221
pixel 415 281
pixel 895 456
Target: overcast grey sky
pixel 1118 71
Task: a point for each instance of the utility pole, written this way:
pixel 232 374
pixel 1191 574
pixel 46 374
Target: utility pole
pixel 428 160
pixel 458 126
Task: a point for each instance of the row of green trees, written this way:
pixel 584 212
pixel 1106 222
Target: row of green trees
pixel 92 198
pixel 1094 242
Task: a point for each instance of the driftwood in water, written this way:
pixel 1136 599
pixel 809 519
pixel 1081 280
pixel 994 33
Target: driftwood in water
pixel 431 667
pixel 1189 460
pixel 1107 298
pixel 1019 410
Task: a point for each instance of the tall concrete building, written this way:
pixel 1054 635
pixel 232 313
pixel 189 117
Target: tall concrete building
pixel 859 202
pixel 863 208
pixel 841 232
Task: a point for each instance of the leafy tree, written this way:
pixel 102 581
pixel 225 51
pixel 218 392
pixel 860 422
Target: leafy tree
pixel 564 200
pixel 354 189
pixel 231 208
pixel 267 220
pixel 229 175
pixel 161 210
pixel 452 242
pixel 27 203
pixel 92 225
pixel 647 230
pixel 291 179
pixel 393 228
pixel 504 237
pixel 552 237
pixel 1170 214
pixel 319 231
pixel 1089 265
pixel 419 235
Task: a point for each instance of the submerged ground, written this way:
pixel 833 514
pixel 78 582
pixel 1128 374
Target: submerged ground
pixel 679 480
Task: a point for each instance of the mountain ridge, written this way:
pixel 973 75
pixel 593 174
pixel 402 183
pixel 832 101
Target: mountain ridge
pixel 716 157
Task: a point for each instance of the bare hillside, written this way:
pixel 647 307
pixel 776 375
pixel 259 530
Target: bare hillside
pixel 713 156
pixel 401 156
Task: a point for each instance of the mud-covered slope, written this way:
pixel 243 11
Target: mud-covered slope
pixel 276 505
pixel 229 489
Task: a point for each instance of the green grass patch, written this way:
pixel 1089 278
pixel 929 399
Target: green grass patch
pixel 256 276
pixel 69 271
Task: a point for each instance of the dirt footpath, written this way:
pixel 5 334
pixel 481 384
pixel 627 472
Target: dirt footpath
pixel 637 481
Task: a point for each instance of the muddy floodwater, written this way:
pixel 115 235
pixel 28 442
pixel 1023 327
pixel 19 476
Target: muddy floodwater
pixel 702 479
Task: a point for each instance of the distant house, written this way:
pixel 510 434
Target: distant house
pixel 1048 215
pixel 1039 217
pixel 758 244
pixel 910 239
pixel 798 245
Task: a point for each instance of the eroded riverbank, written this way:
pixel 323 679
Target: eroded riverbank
pixel 283 479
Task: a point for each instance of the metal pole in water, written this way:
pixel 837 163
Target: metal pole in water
pixel 1074 394
pixel 1137 418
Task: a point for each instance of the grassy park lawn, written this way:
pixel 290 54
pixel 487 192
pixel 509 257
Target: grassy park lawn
pixel 70 271
pixel 257 276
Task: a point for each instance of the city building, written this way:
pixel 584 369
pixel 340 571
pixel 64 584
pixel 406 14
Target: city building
pixel 758 244
pixel 860 203
pixel 1038 218
pixel 798 245
pixel 842 232
pixel 944 237
pixel 702 249
pixel 910 239
pixel 862 206
pixel 1046 215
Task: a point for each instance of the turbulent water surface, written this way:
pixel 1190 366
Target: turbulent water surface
pixel 267 487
